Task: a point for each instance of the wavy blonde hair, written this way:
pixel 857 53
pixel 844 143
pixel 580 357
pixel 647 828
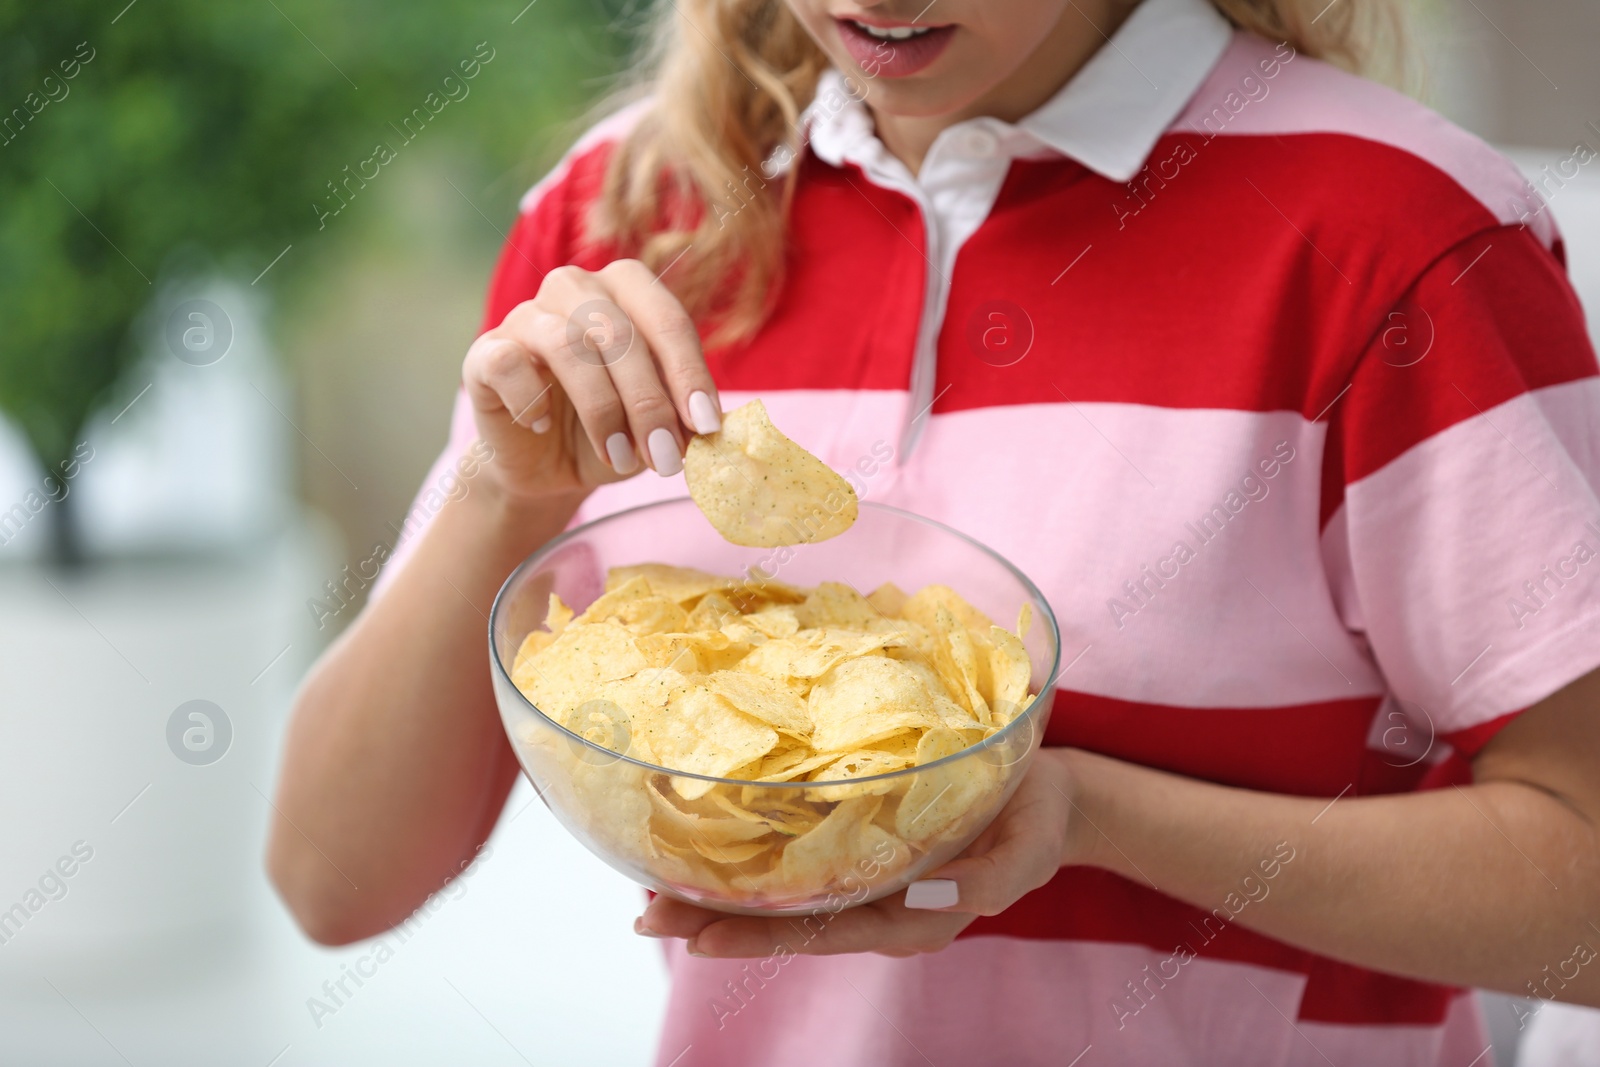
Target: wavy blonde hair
pixel 727 81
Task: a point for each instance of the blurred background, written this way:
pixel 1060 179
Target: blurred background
pixel 242 251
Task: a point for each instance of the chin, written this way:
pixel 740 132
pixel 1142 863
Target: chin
pixel 905 99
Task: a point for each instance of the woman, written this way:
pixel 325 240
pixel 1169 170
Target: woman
pixel 1266 375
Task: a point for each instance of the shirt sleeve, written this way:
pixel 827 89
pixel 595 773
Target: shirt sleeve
pixel 1461 521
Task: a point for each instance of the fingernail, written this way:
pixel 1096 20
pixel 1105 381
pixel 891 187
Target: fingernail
pixel 541 424
pixel 664 452
pixel 620 452
pixel 644 931
pixel 933 893
pixel 704 413
pixel 694 950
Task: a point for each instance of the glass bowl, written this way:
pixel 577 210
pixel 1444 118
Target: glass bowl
pixel 765 848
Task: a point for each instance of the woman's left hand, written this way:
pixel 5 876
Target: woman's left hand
pixel 1020 851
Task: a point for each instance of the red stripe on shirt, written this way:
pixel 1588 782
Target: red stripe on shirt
pixel 1302 750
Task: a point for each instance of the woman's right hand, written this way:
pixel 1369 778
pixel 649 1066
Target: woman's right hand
pixel 597 376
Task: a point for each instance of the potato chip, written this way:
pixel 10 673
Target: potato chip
pixel 827 851
pixel 1024 620
pixel 682 827
pixel 920 608
pixel 836 604
pixel 653 615
pixel 683 584
pixel 918 644
pixel 557 615
pixel 612 802
pixel 772 702
pixel 733 855
pixel 888 598
pixel 1012 673
pixel 536 640
pixel 757 588
pixel 763 806
pixel 955 661
pixel 940 796
pixel 952 715
pixel 566 672
pixel 864 763
pixel 690 653
pixel 812 653
pixel 964 654
pixel 635 698
pixel 800 769
pixel 903 746
pixel 701 733
pixel 759 488
pixel 775 620
pixel 865 700
pixel 608 604
pixel 713 612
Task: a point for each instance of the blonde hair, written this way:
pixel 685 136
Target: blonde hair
pixel 685 188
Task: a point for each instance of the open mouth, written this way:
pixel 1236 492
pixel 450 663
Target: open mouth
pixel 892 51
pixel 891 33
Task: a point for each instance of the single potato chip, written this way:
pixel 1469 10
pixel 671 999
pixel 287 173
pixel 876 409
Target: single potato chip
pixel 635 698
pixel 789 771
pixel 920 608
pixel 828 851
pixel 865 700
pixel 733 855
pixel 862 764
pixel 536 640
pixel 682 828
pixel 940 796
pixel 813 653
pixel 955 662
pixel 653 615
pixel 964 654
pixel 567 671
pixel 557 615
pixel 775 620
pixel 1012 673
pixel 690 653
pixel 683 584
pixel 836 604
pixel 713 612
pixel 608 604
pixel 888 598
pixel 771 701
pixel 760 489
pixel 701 733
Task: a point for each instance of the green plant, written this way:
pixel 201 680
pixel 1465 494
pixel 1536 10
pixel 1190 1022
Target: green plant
pixel 184 135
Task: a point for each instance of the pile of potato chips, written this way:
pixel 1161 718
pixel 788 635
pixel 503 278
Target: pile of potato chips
pixel 752 683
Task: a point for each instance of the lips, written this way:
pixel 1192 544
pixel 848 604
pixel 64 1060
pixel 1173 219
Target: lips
pixel 886 58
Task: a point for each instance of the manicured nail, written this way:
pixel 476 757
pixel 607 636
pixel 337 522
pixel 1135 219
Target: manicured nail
pixel 664 452
pixel 541 424
pixel 933 893
pixel 620 452
pixel 644 931
pixel 704 413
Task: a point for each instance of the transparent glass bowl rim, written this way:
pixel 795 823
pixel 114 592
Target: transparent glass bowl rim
pixel 1029 716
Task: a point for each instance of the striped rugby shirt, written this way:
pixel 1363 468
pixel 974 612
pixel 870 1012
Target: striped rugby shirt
pixel 1272 380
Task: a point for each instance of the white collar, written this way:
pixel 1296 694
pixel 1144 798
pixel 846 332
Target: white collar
pixel 1107 117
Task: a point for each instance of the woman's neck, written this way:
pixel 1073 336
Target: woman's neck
pixel 1083 28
